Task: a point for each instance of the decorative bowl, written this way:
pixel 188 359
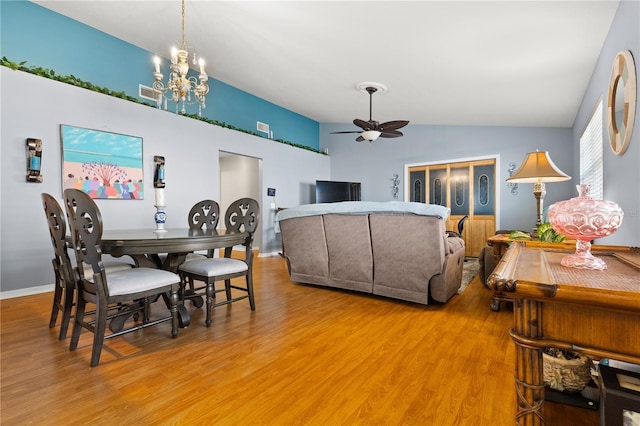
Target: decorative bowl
pixel 583 219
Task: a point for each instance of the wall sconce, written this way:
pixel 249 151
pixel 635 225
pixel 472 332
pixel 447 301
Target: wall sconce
pixel 158 175
pixel 395 186
pixel 512 185
pixel 538 168
pixel 34 160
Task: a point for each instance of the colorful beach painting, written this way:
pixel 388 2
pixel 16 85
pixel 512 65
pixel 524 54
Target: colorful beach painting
pixel 103 164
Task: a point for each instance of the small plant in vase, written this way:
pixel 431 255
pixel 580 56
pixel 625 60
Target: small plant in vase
pixel 547 234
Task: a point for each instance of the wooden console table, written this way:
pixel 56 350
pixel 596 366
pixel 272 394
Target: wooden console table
pixel 500 244
pixel 592 312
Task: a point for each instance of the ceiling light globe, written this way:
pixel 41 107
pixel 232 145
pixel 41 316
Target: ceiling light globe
pixel 370 135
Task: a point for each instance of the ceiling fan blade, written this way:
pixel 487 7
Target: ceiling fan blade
pixel 360 139
pixel 393 125
pixel 351 131
pixel 364 125
pixel 390 134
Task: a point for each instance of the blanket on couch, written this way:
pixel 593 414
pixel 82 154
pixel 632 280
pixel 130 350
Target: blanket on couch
pixel 362 207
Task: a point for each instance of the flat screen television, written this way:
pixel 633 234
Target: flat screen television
pixel 328 191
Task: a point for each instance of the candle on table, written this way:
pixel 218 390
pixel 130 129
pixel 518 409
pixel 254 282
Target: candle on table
pixel 160 201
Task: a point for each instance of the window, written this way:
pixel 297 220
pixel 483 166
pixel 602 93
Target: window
pixel 591 153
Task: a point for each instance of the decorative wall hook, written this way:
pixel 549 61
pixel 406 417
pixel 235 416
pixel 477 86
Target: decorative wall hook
pixel 513 186
pixel 158 175
pixel 34 160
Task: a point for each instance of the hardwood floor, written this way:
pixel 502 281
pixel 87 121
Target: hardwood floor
pixel 306 356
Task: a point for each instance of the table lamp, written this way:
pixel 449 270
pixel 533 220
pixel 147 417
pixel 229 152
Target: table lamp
pixel 538 168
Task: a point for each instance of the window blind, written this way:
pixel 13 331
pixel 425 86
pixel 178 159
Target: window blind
pixel 591 153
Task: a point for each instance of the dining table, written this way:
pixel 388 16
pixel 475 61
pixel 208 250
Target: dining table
pixel 145 246
pixel 168 249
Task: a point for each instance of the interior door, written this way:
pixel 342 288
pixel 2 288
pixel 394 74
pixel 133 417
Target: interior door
pixel 240 176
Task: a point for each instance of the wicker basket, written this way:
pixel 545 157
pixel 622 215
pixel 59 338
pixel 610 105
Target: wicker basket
pixel 567 375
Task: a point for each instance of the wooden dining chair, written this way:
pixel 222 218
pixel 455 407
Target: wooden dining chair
pixel 243 215
pixel 135 286
pixel 63 268
pixel 204 214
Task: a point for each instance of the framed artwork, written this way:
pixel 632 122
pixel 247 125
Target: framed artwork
pixel 104 165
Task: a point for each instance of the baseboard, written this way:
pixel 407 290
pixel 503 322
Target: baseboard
pixel 26 291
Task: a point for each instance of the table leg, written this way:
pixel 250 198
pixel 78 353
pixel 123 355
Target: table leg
pixel 184 318
pixel 529 371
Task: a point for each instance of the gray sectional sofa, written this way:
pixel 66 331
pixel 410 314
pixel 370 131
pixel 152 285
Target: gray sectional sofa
pixel 392 249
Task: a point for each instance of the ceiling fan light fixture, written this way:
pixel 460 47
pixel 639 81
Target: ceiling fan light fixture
pixel 370 135
pixel 371 129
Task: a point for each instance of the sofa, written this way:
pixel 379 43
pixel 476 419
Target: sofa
pixel 393 249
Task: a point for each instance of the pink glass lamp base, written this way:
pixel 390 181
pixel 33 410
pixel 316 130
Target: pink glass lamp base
pixel 583 258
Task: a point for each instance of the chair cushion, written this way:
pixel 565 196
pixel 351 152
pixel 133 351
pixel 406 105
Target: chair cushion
pixel 137 280
pixel 214 267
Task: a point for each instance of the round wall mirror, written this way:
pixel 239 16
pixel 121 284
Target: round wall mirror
pixel 621 103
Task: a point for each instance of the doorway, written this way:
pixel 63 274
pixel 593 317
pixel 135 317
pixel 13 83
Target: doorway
pixel 240 176
pixel 468 187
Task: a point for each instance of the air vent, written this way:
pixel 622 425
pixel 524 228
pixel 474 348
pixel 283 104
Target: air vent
pixel 262 127
pixel 149 93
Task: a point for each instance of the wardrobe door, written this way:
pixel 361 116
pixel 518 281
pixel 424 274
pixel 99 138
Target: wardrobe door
pixel 459 188
pixel 482 222
pixel 417 185
pixel 438 185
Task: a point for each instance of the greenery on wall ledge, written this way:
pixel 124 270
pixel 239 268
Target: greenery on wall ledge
pixel 75 81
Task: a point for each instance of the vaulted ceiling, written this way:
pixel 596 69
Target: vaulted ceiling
pixel 500 63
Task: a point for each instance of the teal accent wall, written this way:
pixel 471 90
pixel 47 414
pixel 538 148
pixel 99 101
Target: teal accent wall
pixel 46 39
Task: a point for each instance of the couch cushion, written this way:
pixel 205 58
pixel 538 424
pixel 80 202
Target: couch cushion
pixel 443 286
pixel 305 248
pixel 349 248
pixel 407 251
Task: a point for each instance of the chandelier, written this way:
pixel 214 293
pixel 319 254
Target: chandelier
pixel 183 89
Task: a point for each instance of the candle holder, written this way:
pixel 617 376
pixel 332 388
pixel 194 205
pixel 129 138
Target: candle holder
pixel 584 219
pixel 160 217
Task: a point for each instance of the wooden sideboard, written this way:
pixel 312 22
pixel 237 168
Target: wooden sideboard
pixel 592 312
pixel 500 243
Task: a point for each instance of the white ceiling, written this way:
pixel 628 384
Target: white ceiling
pixel 499 63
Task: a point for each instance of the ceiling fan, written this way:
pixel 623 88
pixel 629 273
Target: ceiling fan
pixel 372 130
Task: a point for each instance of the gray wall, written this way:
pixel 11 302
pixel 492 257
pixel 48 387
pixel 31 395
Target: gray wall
pixel 621 173
pixel 34 107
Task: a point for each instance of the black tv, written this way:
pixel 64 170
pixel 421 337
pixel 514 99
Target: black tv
pixel 328 191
